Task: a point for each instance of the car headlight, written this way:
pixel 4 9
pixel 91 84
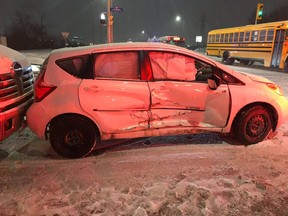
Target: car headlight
pixel 275 88
pixel 36 68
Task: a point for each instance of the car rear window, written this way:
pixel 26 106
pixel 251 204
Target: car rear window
pixel 77 66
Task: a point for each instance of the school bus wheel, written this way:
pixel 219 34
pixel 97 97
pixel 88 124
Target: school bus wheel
pixel 246 62
pixel 226 59
pixel 286 65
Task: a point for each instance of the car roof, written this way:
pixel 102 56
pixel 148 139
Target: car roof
pixel 117 46
pixel 77 51
pixel 84 50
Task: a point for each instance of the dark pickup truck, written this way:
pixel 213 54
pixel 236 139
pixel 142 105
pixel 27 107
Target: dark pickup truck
pixel 16 90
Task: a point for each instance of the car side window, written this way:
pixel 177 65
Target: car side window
pixel 204 71
pixel 172 66
pixel 77 66
pixel 117 65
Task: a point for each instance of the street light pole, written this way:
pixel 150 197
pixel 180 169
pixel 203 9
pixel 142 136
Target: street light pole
pixel 110 22
pixel 93 23
pixel 182 23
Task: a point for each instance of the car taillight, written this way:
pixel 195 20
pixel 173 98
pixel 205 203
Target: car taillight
pixel 41 88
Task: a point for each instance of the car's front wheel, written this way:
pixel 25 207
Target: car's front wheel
pixel 73 136
pixel 253 125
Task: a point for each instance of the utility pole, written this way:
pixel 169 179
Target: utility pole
pixel 93 23
pixel 110 22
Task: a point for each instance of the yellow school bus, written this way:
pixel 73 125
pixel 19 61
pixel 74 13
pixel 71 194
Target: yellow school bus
pixel 266 43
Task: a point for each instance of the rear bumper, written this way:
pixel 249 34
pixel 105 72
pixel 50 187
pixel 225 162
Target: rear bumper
pixel 38 119
pixel 13 119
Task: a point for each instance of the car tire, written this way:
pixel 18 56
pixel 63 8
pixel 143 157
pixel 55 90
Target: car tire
pixel 251 62
pixel 73 136
pixel 226 59
pixel 253 125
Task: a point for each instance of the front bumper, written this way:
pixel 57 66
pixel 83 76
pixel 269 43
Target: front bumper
pixel 13 119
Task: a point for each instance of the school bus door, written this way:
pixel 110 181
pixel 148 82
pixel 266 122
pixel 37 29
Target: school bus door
pixel 280 49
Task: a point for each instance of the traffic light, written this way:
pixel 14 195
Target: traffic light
pixel 102 19
pixel 259 13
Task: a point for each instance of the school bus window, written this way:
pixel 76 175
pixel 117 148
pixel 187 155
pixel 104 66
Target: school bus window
pixel 254 35
pixel 286 35
pixel 222 37
pixel 226 37
pixel 213 38
pixel 270 35
pixel 241 36
pixel 217 38
pixel 230 37
pixel 235 39
pixel 262 36
pixel 247 36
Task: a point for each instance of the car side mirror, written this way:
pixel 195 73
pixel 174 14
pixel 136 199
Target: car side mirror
pixel 213 82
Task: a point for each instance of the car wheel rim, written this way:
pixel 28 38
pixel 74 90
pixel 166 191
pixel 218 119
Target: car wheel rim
pixel 256 126
pixel 73 138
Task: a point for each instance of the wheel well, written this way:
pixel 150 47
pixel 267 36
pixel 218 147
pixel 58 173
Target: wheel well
pixel 69 115
pixel 271 110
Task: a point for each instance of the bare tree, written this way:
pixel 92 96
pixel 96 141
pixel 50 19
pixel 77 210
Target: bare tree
pixel 25 33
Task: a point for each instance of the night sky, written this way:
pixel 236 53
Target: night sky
pixel 155 17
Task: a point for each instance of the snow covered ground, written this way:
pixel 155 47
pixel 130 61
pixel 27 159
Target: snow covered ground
pixel 203 174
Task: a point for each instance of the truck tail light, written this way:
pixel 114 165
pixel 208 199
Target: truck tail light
pixel 41 88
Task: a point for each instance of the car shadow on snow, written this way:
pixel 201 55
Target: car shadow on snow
pixel 3 154
pixel 34 148
pixel 194 139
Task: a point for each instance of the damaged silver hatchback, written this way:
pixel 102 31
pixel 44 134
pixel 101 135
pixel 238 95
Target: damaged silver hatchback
pixel 87 94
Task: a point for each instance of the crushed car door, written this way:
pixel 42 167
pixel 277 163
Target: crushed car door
pixel 116 97
pixel 180 96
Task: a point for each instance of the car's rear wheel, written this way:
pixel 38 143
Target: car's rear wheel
pixel 73 136
pixel 253 125
pixel 226 59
